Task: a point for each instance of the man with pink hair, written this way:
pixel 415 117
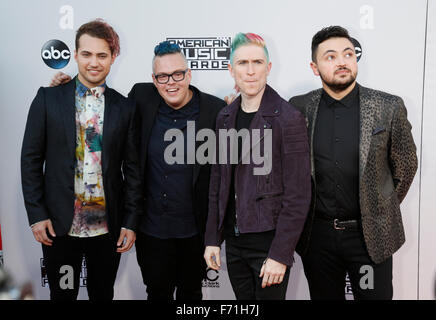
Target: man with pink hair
pixel 260 216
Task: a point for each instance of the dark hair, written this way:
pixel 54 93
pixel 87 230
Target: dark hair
pixel 100 29
pixel 325 34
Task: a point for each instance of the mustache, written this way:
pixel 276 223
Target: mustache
pixel 341 69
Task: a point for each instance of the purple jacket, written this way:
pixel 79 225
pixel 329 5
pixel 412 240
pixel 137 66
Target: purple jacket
pixel 276 201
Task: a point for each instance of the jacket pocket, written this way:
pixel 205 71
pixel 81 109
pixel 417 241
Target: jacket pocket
pixel 378 130
pixel 268 195
pixel 269 206
pixel 264 183
pixel 379 138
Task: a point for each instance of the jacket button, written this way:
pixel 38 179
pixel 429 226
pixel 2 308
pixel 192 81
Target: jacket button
pixel 276 111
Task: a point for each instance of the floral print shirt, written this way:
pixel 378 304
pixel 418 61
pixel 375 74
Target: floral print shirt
pixel 90 218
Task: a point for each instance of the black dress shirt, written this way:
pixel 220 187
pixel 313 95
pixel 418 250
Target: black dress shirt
pixel 336 155
pixel 169 189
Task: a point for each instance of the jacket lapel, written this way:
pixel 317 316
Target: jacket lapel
pixel 229 113
pixel 311 114
pixel 148 106
pixel 367 110
pixel 149 115
pixel 206 119
pixel 260 121
pixel 67 103
pixel 110 124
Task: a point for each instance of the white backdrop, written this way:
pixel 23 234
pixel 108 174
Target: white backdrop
pixel 399 47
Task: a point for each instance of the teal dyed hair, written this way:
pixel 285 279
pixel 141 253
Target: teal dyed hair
pixel 164 48
pixel 243 39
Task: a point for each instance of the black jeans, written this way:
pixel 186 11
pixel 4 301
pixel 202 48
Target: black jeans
pixel 245 255
pixel 332 253
pixel 167 264
pixel 67 252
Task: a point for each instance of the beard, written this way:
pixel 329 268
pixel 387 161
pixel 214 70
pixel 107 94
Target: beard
pixel 337 85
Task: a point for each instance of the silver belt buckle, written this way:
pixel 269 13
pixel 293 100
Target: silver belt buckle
pixel 335 225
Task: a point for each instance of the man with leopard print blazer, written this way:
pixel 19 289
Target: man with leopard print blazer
pixel 363 161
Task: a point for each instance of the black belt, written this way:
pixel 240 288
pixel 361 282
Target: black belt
pixel 340 224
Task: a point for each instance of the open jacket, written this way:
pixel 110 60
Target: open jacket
pixel 147 99
pixel 278 200
pixel 48 160
pixel 387 166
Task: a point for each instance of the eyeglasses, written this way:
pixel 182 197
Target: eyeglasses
pixel 176 75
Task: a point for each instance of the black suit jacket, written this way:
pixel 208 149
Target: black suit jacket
pixel 48 160
pixel 147 100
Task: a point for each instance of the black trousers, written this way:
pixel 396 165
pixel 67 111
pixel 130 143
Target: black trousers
pixel 245 255
pixel 171 265
pixel 64 259
pixel 332 253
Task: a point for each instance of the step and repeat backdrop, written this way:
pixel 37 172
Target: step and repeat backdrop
pixel 395 41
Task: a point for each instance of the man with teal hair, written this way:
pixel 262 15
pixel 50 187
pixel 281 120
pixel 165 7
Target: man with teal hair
pixel 259 216
pixel 245 39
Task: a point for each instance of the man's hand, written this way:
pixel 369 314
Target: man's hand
pixel 272 272
pixel 212 257
pixel 127 239
pixel 40 233
pixel 59 78
pixel 231 97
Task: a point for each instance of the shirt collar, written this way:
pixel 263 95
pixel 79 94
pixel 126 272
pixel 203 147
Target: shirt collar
pixel 187 110
pixel 348 101
pixel 81 89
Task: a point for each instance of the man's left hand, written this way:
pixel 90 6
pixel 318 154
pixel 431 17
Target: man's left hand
pixel 231 97
pixel 272 272
pixel 127 239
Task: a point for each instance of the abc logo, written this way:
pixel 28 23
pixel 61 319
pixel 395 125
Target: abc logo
pixel 357 48
pixel 55 54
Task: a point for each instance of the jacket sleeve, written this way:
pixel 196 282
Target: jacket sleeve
pixel 32 160
pixel 296 188
pixel 402 153
pixel 133 193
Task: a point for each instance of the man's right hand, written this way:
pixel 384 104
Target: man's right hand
pixel 40 233
pixel 212 257
pixel 59 78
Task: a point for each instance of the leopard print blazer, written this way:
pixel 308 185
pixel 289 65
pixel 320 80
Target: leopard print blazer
pixel 387 166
